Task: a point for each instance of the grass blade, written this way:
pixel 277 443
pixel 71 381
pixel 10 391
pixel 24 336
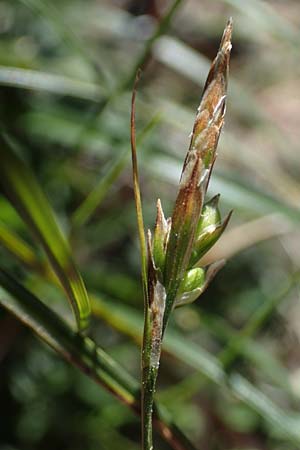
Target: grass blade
pixel 83 353
pixel 71 345
pixel 15 245
pixel 28 199
pixel 49 82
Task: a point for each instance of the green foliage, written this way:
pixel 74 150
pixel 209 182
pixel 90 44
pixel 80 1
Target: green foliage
pixel 229 373
pixel 26 196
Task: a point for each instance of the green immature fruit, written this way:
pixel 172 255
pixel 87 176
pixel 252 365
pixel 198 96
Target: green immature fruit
pixel 191 286
pixel 210 228
pixel 210 215
pixel 195 282
pixel 193 279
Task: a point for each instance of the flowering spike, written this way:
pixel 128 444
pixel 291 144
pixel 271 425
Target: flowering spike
pixel 181 240
pixel 184 221
pixel 196 172
pixel 210 114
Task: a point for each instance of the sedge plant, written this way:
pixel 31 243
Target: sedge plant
pixel 172 274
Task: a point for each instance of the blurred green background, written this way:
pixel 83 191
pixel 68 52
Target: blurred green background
pixel 230 374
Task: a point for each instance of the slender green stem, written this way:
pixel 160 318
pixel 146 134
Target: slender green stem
pixel 74 347
pixel 149 376
pixel 151 347
pixel 146 401
pixel 154 327
pixel 152 342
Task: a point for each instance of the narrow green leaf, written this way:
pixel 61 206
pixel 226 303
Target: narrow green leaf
pixel 17 246
pixel 74 347
pixel 25 253
pixel 49 82
pixel 83 353
pixel 27 197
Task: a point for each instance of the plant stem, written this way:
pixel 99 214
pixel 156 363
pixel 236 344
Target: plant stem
pixel 149 382
pixel 152 342
pixel 146 418
pixel 149 376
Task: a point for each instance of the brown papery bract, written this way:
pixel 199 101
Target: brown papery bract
pixel 197 167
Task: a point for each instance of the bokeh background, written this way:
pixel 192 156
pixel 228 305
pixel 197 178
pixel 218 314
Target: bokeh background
pixel 230 375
